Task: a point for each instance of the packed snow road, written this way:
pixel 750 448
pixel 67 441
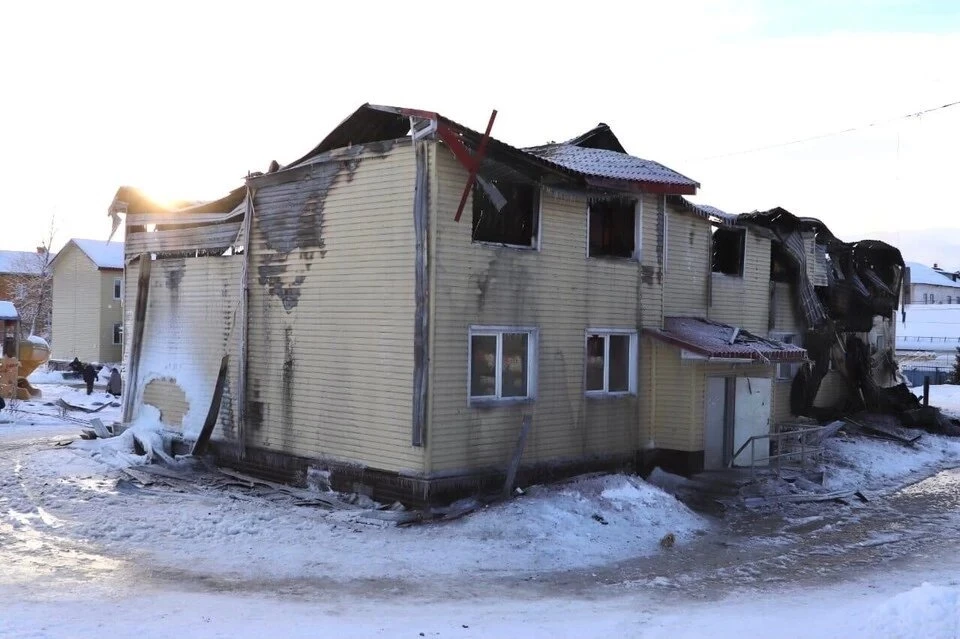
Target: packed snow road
pixel 83 551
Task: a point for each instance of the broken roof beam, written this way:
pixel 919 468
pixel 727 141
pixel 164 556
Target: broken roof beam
pixel 471 162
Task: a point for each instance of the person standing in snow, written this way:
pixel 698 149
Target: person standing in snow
pixel 89 376
pixel 114 385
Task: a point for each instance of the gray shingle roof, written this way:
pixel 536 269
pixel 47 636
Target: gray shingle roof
pixel 609 164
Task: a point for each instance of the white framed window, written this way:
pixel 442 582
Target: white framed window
pixel 118 333
pixel 613 228
pixel 610 362
pixel 117 288
pixel 502 364
pixel 786 371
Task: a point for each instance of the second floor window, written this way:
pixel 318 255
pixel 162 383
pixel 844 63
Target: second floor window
pixel 117 288
pixel 506 212
pixel 728 250
pixel 613 228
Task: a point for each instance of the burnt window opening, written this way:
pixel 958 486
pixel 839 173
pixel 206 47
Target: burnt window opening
pixel 782 269
pixel 506 212
pixel 728 250
pixel 613 228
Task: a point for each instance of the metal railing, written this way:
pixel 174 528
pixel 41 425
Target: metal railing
pixel 804 444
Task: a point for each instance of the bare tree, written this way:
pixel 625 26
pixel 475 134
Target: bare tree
pixel 32 290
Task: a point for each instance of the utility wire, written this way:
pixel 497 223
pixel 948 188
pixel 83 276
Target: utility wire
pixel 827 135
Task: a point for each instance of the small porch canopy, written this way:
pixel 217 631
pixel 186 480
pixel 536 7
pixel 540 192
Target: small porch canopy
pixel 716 341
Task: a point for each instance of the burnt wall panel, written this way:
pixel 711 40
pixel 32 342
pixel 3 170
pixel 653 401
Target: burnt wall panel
pixel 331 312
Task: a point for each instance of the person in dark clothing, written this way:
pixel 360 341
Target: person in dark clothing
pixel 114 385
pixel 76 366
pixel 89 376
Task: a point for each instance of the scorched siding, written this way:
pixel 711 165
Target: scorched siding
pixel 111 312
pixel 76 307
pixel 559 291
pixel 745 301
pixel 331 312
pixel 191 323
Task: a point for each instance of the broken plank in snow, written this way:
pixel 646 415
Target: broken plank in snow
pixel 100 429
pixel 307 495
pixel 773 500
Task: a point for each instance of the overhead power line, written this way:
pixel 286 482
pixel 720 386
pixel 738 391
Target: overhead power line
pixel 833 133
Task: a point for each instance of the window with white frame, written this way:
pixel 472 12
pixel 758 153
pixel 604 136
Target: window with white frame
pixel 786 371
pixel 117 288
pixel 611 362
pixel 613 228
pixel 118 333
pixel 502 363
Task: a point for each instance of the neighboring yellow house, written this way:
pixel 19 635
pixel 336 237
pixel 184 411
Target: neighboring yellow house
pixel 384 327
pixel 88 301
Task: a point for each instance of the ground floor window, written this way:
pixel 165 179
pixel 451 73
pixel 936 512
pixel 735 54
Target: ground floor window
pixel 786 371
pixel 611 362
pixel 118 333
pixel 502 363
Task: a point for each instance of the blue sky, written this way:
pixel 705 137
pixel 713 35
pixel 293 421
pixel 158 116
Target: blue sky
pixel 821 17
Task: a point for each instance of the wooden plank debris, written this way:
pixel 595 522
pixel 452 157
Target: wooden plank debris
pixel 100 429
pixel 136 342
pixel 517 454
pixel 886 433
pixel 801 498
pixel 300 493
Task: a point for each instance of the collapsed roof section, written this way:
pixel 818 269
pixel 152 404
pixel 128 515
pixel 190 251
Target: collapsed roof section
pixel 859 280
pixel 180 229
pixel 594 161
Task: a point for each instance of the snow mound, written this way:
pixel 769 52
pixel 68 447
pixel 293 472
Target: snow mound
pixel 45 376
pixel 861 462
pixel 924 612
pixel 594 519
pixel 121 451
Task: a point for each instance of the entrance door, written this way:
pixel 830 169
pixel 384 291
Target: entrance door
pixel 751 417
pixel 715 453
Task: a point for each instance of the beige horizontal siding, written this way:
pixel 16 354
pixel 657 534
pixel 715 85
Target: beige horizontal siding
pixel 785 310
pixel 651 259
pixel 111 312
pixel 688 265
pixel 558 290
pixel 77 296
pixel 745 301
pixel 780 409
pixel 332 376
pixel 675 389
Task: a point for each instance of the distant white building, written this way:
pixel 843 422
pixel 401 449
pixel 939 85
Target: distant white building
pixel 931 285
pixel 927 339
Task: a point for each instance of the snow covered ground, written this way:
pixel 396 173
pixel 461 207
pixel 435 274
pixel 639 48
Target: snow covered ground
pixel 84 552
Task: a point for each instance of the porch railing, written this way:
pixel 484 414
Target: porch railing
pixel 794 444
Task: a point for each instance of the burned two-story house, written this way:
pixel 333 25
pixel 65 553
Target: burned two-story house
pixel 396 301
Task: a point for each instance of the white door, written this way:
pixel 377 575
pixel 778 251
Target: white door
pixel 714 453
pixel 751 417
